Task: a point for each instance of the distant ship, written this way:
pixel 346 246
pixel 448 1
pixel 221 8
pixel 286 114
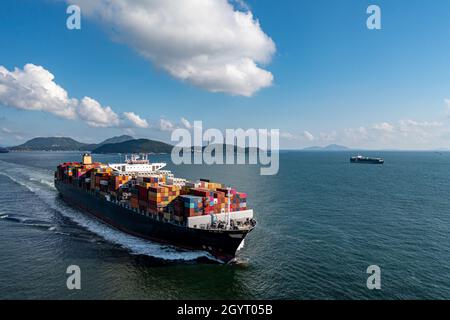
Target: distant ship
pixel 361 159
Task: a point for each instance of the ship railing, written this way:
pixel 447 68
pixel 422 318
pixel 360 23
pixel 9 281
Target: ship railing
pixel 234 225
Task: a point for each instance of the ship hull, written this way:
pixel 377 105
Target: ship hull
pixel 222 244
pixel 367 161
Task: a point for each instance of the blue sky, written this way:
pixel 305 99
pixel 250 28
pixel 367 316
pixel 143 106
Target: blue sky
pixel 334 81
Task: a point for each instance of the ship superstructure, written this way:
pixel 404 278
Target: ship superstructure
pixel 136 165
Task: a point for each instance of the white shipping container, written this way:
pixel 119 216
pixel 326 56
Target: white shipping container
pixel 208 219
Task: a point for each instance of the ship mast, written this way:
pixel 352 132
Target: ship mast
pixel 229 208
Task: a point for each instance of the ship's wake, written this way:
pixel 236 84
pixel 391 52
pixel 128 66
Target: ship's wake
pixel 40 182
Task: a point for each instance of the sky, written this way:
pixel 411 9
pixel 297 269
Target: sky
pixel 311 69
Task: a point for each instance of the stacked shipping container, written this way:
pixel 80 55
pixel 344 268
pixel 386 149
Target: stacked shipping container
pixel 152 195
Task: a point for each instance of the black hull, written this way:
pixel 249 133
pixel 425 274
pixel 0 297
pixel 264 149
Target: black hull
pixel 223 244
pixel 374 161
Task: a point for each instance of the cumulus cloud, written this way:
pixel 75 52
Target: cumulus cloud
pixel 411 126
pixel 136 120
pixel 384 126
pixel 169 125
pixel 404 128
pixel 289 136
pixel 186 123
pixel 166 125
pixel 33 88
pixel 92 112
pixel 206 43
pixel 407 134
pixel 286 135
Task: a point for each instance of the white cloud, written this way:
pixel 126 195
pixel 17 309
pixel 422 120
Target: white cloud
pixel 129 131
pixel 33 88
pixel 384 126
pixel 411 126
pixel 285 135
pixel 447 107
pixel 12 133
pixel 403 134
pixel 204 42
pixel 136 120
pixel 186 123
pixel 354 136
pixel 166 125
pixel 308 136
pixel 289 136
pixel 328 136
pixel 95 115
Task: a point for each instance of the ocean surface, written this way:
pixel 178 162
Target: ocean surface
pixel 322 222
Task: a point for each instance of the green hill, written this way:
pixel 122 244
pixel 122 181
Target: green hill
pixel 64 144
pixel 118 139
pixel 135 146
pixel 50 144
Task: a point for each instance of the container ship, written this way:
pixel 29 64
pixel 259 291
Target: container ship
pixel 361 159
pixel 140 198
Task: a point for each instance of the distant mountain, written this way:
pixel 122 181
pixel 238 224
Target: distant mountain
pixel 3 150
pixel 64 144
pixel 135 146
pixel 331 147
pixel 118 139
pixel 50 144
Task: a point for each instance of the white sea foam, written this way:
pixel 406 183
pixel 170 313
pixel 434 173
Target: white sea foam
pixel 40 182
pixel 241 245
pixel 43 181
pixel 17 181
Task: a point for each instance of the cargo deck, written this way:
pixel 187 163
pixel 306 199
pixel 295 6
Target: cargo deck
pixel 154 205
